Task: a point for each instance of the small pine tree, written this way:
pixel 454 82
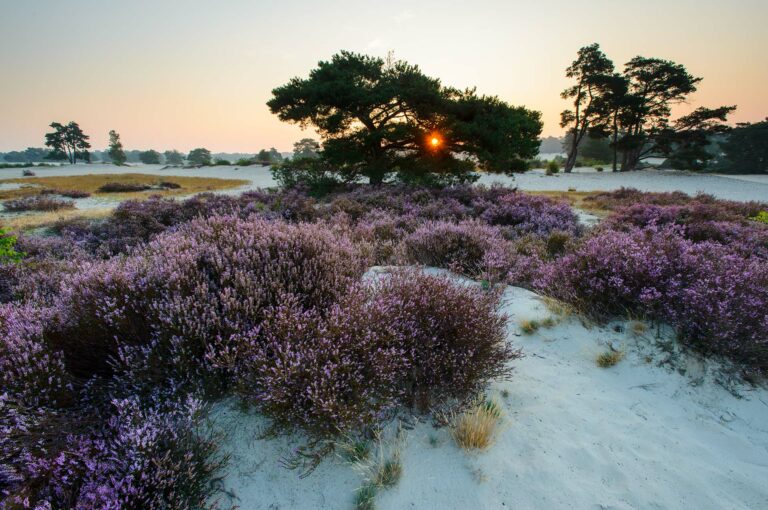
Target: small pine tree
pixel 116 152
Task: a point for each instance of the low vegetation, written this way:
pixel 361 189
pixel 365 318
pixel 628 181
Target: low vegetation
pixel 37 203
pixel 476 428
pixel 93 184
pixel 609 358
pixel 117 332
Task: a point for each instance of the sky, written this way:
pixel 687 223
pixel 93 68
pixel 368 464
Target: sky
pixel 197 73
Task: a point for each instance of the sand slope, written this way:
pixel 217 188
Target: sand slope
pixel 640 435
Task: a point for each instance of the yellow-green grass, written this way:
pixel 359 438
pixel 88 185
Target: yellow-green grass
pixel 92 182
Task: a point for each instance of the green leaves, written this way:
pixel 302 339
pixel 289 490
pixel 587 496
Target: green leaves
pixel 8 253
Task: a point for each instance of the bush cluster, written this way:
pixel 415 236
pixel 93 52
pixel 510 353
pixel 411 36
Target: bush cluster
pixel 102 375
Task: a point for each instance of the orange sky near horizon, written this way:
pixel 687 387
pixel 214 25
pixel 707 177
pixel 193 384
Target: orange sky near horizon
pixel 190 73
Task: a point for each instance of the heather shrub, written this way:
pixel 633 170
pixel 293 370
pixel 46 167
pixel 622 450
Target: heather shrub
pixel 455 338
pixel 529 214
pixel 626 197
pixel 196 287
pixel 37 203
pixel 69 193
pixel 723 308
pixel 460 247
pixel 714 295
pixel 613 272
pixel 408 341
pixel 152 457
pixel 29 372
pixel 326 374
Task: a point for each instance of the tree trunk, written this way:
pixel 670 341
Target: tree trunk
pixel 615 140
pixel 570 160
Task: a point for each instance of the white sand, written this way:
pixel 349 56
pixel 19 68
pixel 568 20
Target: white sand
pixel 640 435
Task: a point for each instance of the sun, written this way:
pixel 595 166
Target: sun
pixel 434 141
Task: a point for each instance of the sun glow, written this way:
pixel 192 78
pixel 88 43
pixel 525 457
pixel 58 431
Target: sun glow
pixel 434 141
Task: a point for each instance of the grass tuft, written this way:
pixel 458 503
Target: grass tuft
pixel 475 428
pixel 609 358
pixel 365 497
pixel 529 327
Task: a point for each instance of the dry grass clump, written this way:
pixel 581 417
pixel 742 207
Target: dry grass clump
pixel 609 358
pixel 475 428
pixel 529 326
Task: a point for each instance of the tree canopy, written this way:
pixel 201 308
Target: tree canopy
pixel 67 142
pixel 378 117
pixel 306 148
pixel 200 156
pixel 174 157
pixel 150 157
pixel 745 151
pixel 634 108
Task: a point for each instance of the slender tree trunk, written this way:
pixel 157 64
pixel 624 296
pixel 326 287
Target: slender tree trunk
pixel 615 140
pixel 573 150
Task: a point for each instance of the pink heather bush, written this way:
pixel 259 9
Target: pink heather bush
pixel 323 374
pixel 196 287
pixel 723 308
pixel 153 458
pixel 461 247
pixel 716 297
pixel 529 214
pixel 409 341
pixel 29 372
pixel 454 337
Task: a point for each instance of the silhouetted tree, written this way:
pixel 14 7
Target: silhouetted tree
pixel 590 70
pixel 67 142
pixel 378 117
pixel 116 152
pixel 306 148
pixel 687 142
pixel 745 150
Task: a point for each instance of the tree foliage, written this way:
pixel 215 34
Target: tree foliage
pixel 200 156
pixel 116 152
pixel 150 157
pixel 746 149
pixel 67 142
pixel 174 157
pixel 306 148
pixel 591 70
pixel 377 117
pixel 634 109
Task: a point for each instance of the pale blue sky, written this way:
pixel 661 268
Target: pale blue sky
pixel 197 72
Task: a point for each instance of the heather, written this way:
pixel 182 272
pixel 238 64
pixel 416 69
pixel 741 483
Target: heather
pixel 37 203
pixel 108 359
pixel 117 333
